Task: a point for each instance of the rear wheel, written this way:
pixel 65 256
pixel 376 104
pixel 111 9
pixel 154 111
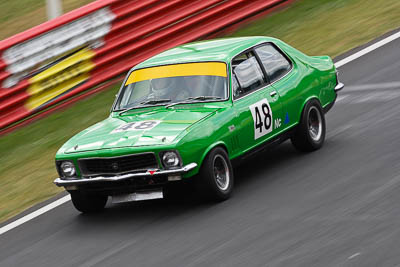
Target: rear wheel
pixel 215 179
pixel 88 203
pixel 310 133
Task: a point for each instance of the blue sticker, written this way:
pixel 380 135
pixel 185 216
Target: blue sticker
pixel 286 118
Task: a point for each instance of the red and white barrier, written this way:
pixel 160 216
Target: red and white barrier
pixel 49 65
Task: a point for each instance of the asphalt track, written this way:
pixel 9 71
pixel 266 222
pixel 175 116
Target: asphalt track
pixel 338 206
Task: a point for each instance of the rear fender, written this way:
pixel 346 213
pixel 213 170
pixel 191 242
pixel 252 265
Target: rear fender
pixel 305 103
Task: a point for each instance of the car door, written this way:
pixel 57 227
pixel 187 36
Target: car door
pixel 283 78
pixel 255 102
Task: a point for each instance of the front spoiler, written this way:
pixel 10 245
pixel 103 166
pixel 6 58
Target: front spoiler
pixel 79 181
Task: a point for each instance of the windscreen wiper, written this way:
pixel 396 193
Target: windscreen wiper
pixel 204 97
pixel 155 101
pixel 148 102
pixel 188 100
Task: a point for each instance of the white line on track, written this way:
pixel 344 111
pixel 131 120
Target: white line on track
pixel 367 49
pixel 34 214
pixel 354 255
pixel 67 198
pixel 373 86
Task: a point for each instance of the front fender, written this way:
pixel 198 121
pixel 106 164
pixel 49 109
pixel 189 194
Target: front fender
pixel 200 160
pixel 203 137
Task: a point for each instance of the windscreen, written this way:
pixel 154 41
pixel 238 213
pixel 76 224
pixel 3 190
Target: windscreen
pixel 174 83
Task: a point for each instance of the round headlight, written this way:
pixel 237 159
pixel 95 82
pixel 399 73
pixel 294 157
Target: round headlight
pixel 170 159
pixel 68 168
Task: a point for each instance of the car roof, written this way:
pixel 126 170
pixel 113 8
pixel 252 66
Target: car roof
pixel 210 50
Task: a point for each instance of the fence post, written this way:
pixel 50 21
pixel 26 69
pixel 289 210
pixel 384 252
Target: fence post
pixel 54 9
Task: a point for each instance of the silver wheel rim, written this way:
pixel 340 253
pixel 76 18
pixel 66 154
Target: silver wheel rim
pixel 314 123
pixel 221 172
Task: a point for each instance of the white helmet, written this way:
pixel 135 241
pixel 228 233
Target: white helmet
pixel 161 87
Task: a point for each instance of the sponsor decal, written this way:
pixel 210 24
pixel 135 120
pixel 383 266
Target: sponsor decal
pixel 277 123
pixel 36 54
pixel 287 120
pixel 60 78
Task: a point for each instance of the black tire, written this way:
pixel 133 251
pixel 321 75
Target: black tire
pixel 215 179
pixel 310 133
pixel 88 203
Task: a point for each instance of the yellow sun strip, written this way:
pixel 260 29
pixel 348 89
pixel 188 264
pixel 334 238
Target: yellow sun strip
pixel 187 69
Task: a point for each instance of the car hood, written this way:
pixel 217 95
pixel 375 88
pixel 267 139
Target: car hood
pixel 161 127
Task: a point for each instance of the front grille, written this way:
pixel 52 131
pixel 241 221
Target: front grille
pixel 117 165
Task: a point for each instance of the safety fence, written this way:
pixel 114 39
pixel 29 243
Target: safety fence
pixel 81 52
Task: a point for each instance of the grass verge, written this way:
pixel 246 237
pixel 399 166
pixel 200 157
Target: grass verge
pixel 328 27
pixel 27 155
pixel 316 27
pixel 19 15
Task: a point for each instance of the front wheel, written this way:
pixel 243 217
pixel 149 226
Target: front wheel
pixel 215 179
pixel 88 203
pixel 310 133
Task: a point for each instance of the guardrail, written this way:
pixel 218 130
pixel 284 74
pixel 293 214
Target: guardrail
pixel 65 59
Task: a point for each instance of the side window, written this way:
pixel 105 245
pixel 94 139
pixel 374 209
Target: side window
pixel 247 74
pixel 275 64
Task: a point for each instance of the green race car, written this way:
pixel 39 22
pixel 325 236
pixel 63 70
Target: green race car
pixel 187 113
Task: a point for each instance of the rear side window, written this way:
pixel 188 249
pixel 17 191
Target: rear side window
pixel 247 74
pixel 275 63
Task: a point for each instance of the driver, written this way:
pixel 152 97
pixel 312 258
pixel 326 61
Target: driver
pixel 161 88
pixel 194 83
pixel 167 88
pixel 195 86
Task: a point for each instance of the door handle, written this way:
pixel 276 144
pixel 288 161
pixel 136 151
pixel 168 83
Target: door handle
pixel 273 93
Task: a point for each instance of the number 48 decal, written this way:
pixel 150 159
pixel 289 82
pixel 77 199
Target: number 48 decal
pixel 136 126
pixel 262 117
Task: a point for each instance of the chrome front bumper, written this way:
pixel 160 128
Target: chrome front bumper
pixel 79 181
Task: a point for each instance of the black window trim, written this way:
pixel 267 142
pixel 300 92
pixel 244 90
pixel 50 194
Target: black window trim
pixel 267 81
pixel 265 78
pixel 280 51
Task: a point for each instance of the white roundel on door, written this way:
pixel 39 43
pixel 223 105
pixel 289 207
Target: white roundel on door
pixel 262 118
